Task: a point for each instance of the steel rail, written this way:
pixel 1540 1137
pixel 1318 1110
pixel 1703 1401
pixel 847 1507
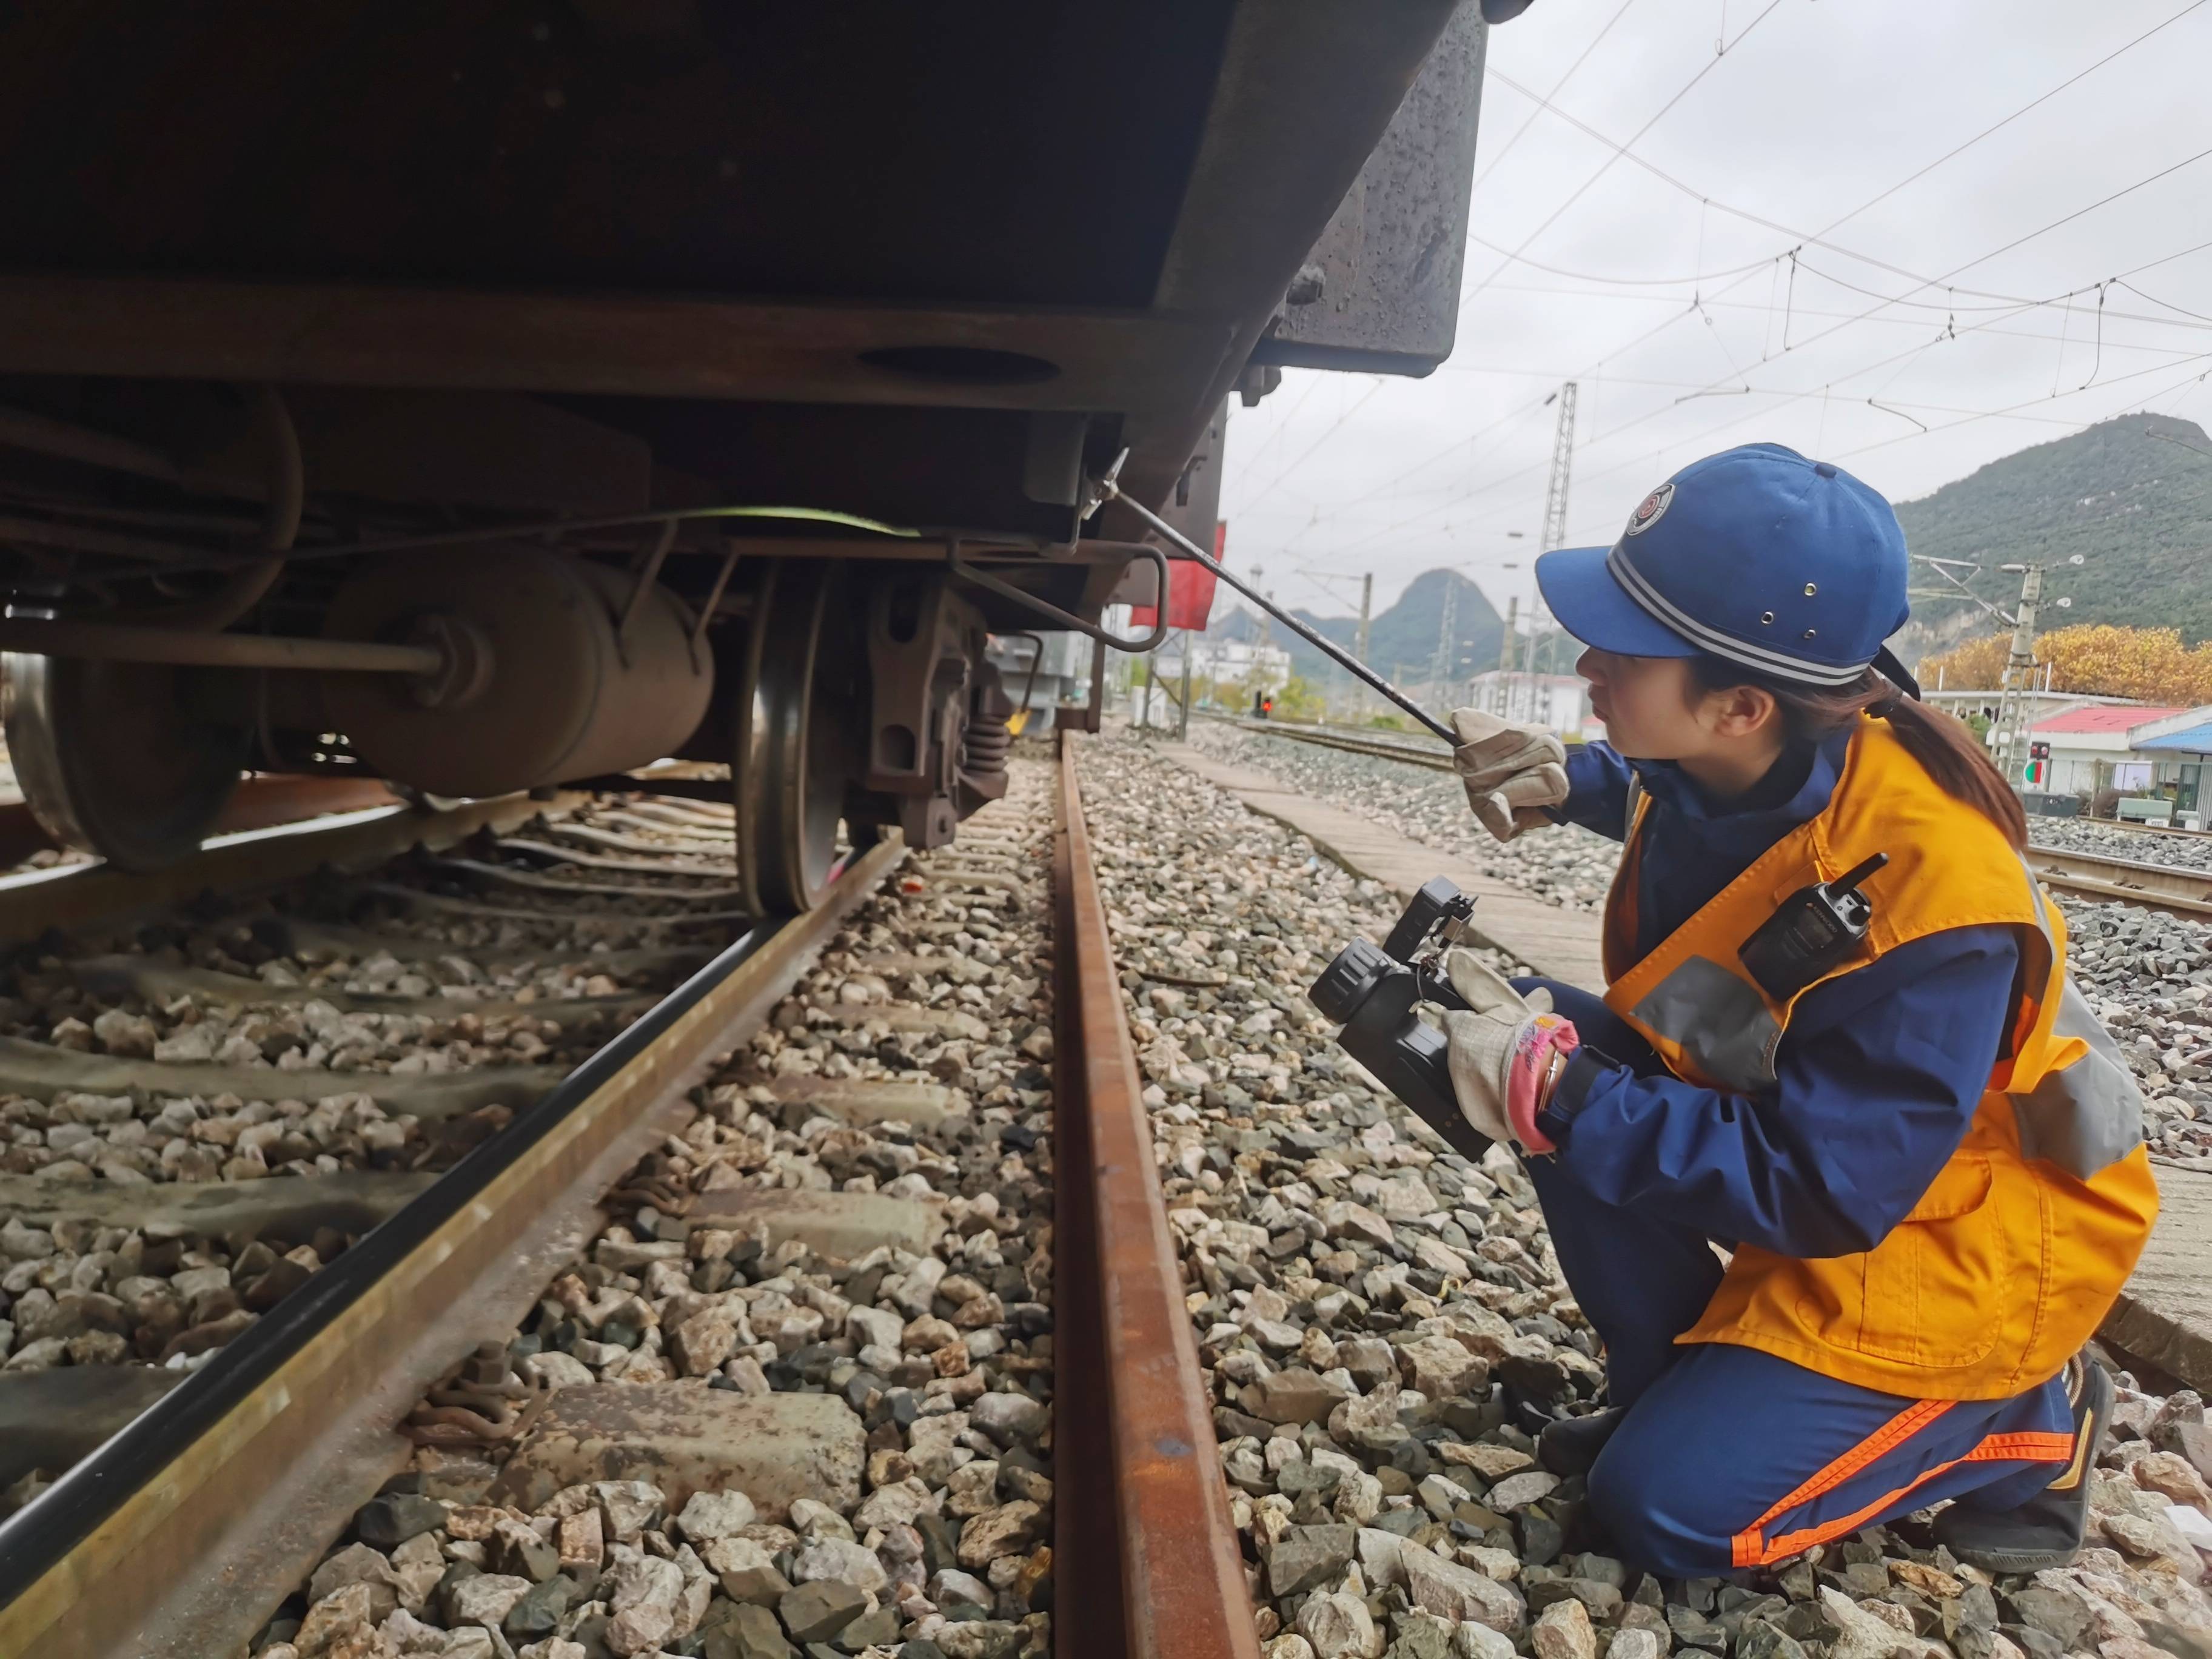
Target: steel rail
pixel 1431 759
pixel 183 1532
pixel 1145 1556
pixel 2149 886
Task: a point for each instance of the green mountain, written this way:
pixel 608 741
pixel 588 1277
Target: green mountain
pixel 1401 640
pixel 2131 497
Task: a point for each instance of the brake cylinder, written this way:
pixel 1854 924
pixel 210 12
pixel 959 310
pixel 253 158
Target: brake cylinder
pixel 545 681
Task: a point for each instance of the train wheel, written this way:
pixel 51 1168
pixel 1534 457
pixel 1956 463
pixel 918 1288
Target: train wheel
pixel 801 742
pixel 113 761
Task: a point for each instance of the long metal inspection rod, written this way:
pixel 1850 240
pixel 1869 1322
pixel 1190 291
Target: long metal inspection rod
pixel 126 643
pixel 1337 654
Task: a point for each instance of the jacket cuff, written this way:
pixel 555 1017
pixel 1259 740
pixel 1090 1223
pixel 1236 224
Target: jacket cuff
pixel 1585 1071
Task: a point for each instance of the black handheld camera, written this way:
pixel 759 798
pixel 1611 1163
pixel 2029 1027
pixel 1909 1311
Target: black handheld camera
pixel 1375 995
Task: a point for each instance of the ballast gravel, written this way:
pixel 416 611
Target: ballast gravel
pixel 940 1356
pixel 2148 976
pixel 2174 852
pixel 350 989
pixel 1382 1327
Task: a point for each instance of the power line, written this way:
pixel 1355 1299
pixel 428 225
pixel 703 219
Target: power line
pixel 1785 397
pixel 1789 347
pixel 1607 166
pixel 2006 309
pixel 1557 87
pixel 1998 126
pixel 1624 151
pixel 1714 303
pixel 1329 431
pixel 1313 383
pixel 2030 403
pixel 1625 281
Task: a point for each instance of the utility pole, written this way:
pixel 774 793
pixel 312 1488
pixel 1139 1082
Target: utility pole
pixel 1182 711
pixel 1447 645
pixel 1265 629
pixel 2014 708
pixel 1502 701
pixel 1366 602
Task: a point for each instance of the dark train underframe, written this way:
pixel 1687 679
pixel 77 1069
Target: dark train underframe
pixel 489 397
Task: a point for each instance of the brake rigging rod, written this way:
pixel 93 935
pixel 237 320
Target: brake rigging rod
pixel 1107 489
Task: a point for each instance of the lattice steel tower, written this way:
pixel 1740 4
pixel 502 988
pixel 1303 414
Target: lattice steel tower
pixel 1555 494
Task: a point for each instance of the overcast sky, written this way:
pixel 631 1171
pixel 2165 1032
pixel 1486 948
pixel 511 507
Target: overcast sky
pixel 1816 109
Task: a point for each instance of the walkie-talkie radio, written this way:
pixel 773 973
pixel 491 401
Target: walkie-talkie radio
pixel 1814 929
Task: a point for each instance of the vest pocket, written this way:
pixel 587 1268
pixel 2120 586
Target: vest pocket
pixel 1928 1295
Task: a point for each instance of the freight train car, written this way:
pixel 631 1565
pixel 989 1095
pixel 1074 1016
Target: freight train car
pixel 491 394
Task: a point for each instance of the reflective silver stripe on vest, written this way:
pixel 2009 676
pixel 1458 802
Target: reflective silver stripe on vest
pixel 2088 1116
pixel 2083 1119
pixel 1720 1020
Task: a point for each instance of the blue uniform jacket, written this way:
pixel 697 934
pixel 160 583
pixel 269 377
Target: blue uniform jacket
pixel 1878 1074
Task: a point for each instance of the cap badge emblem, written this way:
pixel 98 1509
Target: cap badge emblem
pixel 1650 509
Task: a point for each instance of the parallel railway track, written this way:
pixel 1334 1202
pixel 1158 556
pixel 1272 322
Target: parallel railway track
pixel 1411 750
pixel 207 1513
pixel 2175 891
pixel 2149 886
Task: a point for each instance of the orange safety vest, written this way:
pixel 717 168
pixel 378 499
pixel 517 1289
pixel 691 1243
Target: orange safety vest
pixel 2012 1255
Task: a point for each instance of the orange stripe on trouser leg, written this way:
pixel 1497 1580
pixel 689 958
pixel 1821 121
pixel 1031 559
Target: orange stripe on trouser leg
pixel 1749 1550
pixel 1891 1435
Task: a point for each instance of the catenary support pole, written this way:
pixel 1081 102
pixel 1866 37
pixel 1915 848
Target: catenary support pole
pixel 1182 709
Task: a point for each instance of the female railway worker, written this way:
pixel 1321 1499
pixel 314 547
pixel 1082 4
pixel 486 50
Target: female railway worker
pixel 1922 1153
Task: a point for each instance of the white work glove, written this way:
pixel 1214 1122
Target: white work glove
pixel 1511 772
pixel 1503 1048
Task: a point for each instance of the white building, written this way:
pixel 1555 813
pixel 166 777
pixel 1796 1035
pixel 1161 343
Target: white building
pixel 1558 701
pixel 1255 667
pixel 2096 748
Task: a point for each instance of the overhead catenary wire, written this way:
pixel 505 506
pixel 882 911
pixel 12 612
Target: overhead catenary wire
pixel 1817 239
pixel 1996 313
pixel 1580 190
pixel 1850 320
pixel 1998 126
pixel 1701 438
pixel 1825 333
pixel 1499 155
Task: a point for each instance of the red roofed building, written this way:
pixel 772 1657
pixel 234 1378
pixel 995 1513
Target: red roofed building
pixel 2093 748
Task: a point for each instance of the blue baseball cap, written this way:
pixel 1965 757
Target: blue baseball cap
pixel 1789 566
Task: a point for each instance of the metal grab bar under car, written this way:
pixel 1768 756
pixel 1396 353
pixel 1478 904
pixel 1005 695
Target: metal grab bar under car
pixel 1068 619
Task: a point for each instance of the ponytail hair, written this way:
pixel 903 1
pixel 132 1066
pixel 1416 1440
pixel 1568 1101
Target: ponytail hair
pixel 1946 750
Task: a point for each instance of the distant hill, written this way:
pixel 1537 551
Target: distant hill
pixel 2125 494
pixel 2132 496
pixel 1402 639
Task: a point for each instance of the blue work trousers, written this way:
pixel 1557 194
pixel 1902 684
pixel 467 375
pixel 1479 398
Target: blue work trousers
pixel 1730 1457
